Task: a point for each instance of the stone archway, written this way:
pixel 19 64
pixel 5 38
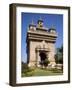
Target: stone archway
pixel 43 57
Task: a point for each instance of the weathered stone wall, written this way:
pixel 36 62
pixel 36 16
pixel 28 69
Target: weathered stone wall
pixel 51 54
pixel 32 59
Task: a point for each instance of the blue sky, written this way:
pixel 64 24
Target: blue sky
pixel 49 20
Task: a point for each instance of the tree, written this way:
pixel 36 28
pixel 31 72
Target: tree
pixel 24 66
pixel 59 55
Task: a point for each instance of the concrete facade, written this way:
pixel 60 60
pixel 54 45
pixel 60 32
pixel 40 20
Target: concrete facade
pixel 40 44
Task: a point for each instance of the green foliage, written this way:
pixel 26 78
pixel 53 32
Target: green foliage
pixel 59 55
pixel 27 71
pixel 24 67
pixel 43 72
pixel 46 62
pixel 55 70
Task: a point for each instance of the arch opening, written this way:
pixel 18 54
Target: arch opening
pixel 43 56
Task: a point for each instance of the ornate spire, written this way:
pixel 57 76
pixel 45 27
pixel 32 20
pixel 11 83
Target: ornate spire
pixel 40 23
pixel 32 21
pixel 52 29
pixel 53 26
pixel 40 18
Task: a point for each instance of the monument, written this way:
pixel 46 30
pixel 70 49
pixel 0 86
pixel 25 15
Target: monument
pixel 40 44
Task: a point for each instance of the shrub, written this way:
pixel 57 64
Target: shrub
pixel 46 62
pixel 27 71
pixel 24 67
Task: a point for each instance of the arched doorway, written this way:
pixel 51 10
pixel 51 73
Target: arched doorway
pixel 43 56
